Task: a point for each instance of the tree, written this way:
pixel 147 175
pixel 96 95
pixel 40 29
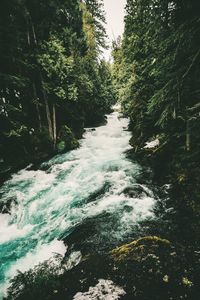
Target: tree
pixel 49 78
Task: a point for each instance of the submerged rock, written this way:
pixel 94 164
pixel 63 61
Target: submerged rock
pixel 6 205
pixel 136 191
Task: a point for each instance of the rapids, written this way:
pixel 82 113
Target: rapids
pixel 86 183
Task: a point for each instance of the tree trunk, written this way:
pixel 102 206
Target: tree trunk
pixel 166 9
pixel 54 126
pixel 48 114
pixel 37 106
pixel 33 32
pixel 178 94
pixel 188 136
pixel 28 37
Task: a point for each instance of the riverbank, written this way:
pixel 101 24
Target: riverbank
pixel 176 175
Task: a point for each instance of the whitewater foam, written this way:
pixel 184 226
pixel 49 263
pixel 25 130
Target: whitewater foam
pixel 49 203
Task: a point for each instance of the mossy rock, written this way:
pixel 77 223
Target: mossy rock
pixel 139 248
pixel 154 268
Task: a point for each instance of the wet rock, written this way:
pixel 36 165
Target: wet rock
pixel 5 206
pixel 90 130
pixel 88 236
pixel 100 192
pixel 140 249
pixel 136 191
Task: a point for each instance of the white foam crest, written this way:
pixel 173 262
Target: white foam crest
pixel 9 232
pixel 42 253
pixel 129 211
pixel 141 208
pixel 41 182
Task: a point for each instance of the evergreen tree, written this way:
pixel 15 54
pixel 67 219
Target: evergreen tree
pixel 50 74
pixel 157 78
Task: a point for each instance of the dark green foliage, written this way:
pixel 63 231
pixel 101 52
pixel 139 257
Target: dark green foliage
pixel 160 63
pixel 49 75
pixel 66 140
pixel 40 282
pixel 95 7
pixel 157 77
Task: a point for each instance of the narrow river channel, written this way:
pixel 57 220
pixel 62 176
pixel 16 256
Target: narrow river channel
pixel 92 182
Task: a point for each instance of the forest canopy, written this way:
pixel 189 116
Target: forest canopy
pixel 52 80
pixel 156 74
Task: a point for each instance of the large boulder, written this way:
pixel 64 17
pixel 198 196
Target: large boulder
pixel 153 268
pixel 140 249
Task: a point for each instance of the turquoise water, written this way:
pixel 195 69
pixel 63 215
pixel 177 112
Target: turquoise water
pixel 49 203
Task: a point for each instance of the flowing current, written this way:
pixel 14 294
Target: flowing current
pixel 86 183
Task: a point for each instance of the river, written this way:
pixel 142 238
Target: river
pixel 86 183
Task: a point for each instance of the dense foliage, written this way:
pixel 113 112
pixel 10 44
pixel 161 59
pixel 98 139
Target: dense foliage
pixel 52 81
pixel 157 77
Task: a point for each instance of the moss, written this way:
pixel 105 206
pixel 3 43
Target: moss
pixel 61 146
pixel 139 248
pixel 66 140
